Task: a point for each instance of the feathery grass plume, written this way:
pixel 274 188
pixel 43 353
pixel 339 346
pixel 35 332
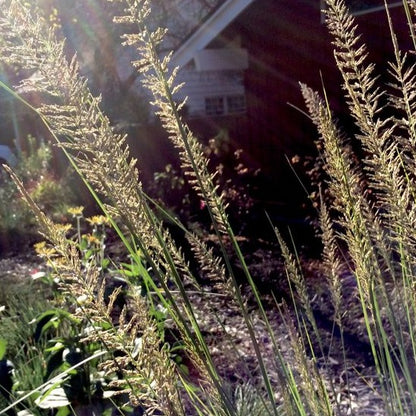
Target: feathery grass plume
pixel 349 202
pixel 389 167
pixel 363 99
pixel 383 156
pixel 331 261
pixel 296 278
pixel 102 157
pixel 403 100
pixel 359 81
pixel 375 229
pixel 211 265
pixel 409 7
pixel 344 186
pixel 412 5
pixel 368 245
pixel 311 383
pixel 300 295
pixel 148 372
pixel 161 82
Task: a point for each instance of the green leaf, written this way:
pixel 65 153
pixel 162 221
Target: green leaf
pixel 3 346
pixel 43 322
pixel 63 411
pixel 130 270
pixel 102 325
pixel 56 347
pixel 51 318
pixel 105 263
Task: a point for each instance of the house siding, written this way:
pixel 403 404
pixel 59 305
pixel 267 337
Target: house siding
pixel 200 85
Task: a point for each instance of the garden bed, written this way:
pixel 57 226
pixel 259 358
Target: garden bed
pixel 349 368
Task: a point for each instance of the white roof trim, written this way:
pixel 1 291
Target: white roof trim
pixel 212 27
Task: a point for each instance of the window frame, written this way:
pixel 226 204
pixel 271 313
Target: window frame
pixel 225 104
pixel 241 108
pixel 212 109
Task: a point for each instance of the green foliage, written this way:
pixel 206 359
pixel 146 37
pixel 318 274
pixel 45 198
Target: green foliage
pixel 45 342
pixel 3 345
pixel 52 193
pixel 22 302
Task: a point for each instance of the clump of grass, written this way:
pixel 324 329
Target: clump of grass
pixel 22 302
pixel 375 230
pixel 373 202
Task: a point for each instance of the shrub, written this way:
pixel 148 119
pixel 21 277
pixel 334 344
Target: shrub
pixel 52 193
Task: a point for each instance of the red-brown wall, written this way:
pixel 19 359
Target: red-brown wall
pixel 287 44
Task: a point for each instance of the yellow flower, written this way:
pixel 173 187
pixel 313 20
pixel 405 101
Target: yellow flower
pixel 98 220
pixel 39 246
pixel 63 228
pixel 43 250
pixel 92 239
pixel 76 211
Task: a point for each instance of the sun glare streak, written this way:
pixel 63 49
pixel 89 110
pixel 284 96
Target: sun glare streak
pixel 85 27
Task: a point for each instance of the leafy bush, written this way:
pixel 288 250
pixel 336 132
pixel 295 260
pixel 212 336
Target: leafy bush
pixel 52 193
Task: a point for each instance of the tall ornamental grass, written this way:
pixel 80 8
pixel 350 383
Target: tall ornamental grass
pixel 367 221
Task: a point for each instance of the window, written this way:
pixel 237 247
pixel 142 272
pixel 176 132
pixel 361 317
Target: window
pixel 221 105
pixel 236 104
pixel 214 106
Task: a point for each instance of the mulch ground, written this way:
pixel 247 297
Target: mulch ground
pixel 353 377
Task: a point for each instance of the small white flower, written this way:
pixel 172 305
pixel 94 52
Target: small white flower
pixel 82 299
pixel 138 343
pixel 37 275
pixel 109 393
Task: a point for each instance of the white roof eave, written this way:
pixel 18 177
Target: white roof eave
pixel 208 31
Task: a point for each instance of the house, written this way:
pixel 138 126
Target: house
pixel 242 67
